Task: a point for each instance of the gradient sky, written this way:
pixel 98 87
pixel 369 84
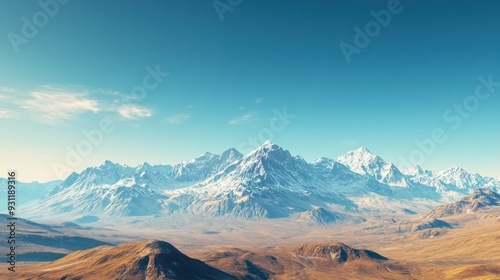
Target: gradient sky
pixel 227 78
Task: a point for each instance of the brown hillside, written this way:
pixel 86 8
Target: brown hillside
pixel 138 260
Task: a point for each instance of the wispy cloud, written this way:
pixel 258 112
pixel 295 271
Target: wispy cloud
pixel 134 112
pixel 8 90
pixel 107 92
pixel 58 106
pixel 177 118
pixel 244 119
pixel 259 100
pixel 6 114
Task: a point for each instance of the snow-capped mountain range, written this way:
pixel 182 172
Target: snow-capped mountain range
pixel 26 191
pixel 266 183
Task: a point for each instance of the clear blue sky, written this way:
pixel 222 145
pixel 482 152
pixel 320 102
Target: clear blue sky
pixel 227 79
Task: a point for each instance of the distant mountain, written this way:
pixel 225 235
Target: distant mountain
pixel 119 190
pixel 479 199
pixel 27 192
pixel 47 242
pixel 321 216
pixel 153 260
pixel 452 183
pixel 268 182
pixel 109 189
pixel 363 162
pixel 456 176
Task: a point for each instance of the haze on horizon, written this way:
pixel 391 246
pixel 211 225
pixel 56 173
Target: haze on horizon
pixel 176 82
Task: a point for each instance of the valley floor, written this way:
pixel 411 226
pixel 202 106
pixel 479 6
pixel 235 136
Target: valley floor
pixel 468 251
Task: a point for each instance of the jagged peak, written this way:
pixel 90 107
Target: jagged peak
pixel 363 150
pixel 360 154
pixel 145 165
pixel 205 154
pixel 415 170
pixel 322 159
pixel 454 170
pixel 233 152
pixel 268 143
pixel 109 164
pixel 328 163
pixel 269 148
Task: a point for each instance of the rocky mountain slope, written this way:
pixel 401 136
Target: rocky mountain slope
pixel 480 199
pixel 153 260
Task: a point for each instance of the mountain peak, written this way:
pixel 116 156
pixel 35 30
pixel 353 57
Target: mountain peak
pixel 322 160
pixel 205 154
pixel 160 246
pixel 109 164
pixel 232 152
pixel 416 170
pixel 456 169
pixel 335 252
pixel 361 154
pixel 268 144
pixel 137 260
pixel 145 165
pixel 363 150
pixel 363 162
pixel 265 148
pixel 358 158
pixel 269 148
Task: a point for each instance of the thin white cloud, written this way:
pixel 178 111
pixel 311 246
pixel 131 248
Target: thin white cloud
pixel 178 118
pixel 259 100
pixel 8 90
pixel 57 104
pixel 244 119
pixel 54 106
pixel 134 112
pixel 6 114
pixel 107 92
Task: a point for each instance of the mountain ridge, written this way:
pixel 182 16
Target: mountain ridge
pixel 268 182
pixel 478 200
